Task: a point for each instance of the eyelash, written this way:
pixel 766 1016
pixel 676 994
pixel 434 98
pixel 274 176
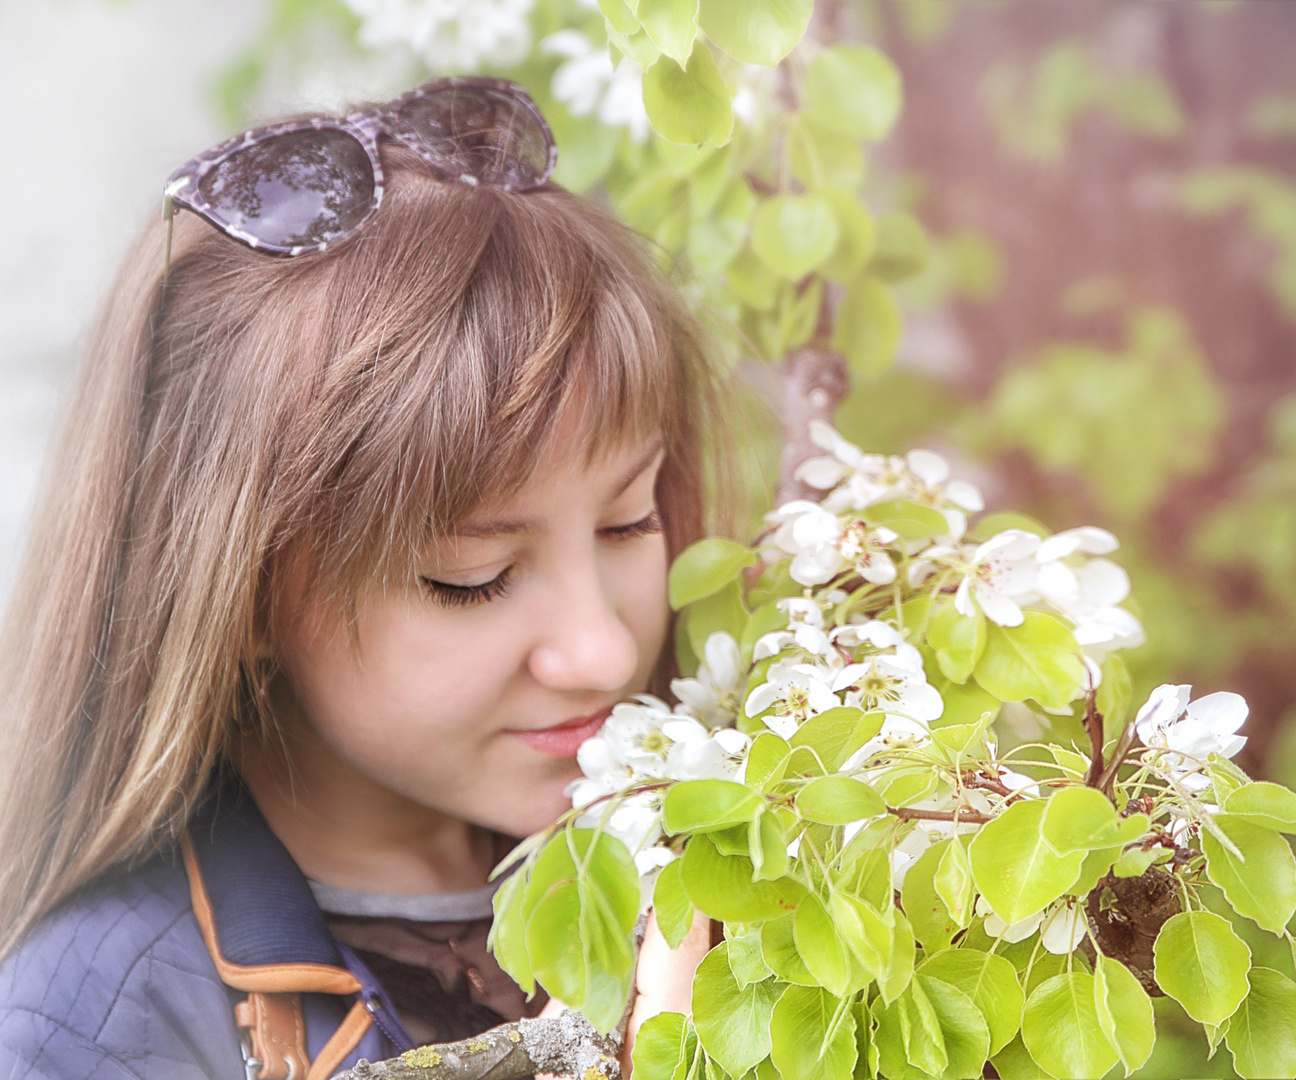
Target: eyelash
pixel 453 596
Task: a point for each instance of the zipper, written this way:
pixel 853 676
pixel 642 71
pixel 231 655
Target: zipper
pixel 373 1005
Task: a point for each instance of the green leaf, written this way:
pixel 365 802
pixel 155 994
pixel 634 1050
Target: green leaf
pixel 767 760
pixel 1262 1033
pixel 1263 803
pixel 620 15
pixel 807 1045
pixel 856 237
pixel 751 281
pixel 863 931
pixel 953 883
pixel 821 159
pixel 838 800
pixel 854 90
pixel 1038 659
pixel 593 968
pixel 966 704
pixel 1124 1012
pixel 722 885
pixel 745 959
pixel 1115 695
pixel 721 612
pixel 1094 869
pixel 930 919
pixel 688 104
pixel 910 520
pixel 1083 819
pixel 793 234
pixel 902 248
pixel 820 946
pixel 778 948
pixel 733 1023
pixel 958 640
pixel 900 967
pixel 694 806
pixel 767 847
pixel 706 567
pixel 507 939
pixel 1061 1030
pixel 664 1046
pixel 868 326
pixel 909 1032
pixel 1261 882
pixel 755 31
pixel 990 981
pixel 672 25
pixel 671 904
pixel 1014 1062
pixel 1134 862
pixel 1202 964
pixel 836 734
pixel 1014 868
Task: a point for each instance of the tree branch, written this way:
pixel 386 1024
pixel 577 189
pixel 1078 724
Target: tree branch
pixel 567 1045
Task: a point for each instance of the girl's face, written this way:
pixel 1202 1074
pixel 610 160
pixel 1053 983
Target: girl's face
pixel 468 693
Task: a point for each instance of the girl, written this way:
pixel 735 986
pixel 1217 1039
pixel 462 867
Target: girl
pixel 360 526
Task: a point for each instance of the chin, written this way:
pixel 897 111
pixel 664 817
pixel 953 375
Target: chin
pixel 537 810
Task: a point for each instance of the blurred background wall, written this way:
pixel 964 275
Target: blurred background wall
pixel 103 99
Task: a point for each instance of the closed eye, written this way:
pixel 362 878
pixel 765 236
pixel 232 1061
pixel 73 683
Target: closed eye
pixel 448 595
pixel 643 527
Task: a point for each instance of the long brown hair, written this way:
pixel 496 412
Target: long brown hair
pixel 354 403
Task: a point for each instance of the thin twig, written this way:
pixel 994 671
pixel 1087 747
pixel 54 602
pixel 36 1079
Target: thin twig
pixel 908 813
pixel 1093 724
pixel 1107 781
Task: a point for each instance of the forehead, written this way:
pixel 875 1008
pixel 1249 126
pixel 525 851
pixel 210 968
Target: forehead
pixel 566 476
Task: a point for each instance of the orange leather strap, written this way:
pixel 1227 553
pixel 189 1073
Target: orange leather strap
pixel 271 1015
pixel 276 1034
pixel 344 1040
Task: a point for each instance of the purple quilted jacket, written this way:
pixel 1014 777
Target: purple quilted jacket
pixel 137 978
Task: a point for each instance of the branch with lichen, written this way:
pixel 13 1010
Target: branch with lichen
pixel 566 1045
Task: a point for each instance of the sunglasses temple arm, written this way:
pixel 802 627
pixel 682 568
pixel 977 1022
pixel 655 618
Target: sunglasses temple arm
pixel 168 215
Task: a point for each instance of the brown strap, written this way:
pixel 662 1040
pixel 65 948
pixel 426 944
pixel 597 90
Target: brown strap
pixel 344 1040
pixel 276 1034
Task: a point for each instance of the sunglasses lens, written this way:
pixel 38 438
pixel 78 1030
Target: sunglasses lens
pixel 481 132
pixel 294 190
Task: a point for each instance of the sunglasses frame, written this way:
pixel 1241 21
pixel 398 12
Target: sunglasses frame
pixel 366 126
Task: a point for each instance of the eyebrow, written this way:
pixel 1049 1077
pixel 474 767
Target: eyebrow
pixel 480 530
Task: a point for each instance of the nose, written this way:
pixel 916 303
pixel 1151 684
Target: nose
pixel 583 643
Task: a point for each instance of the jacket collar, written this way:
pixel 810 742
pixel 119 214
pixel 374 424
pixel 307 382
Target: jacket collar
pixel 254 906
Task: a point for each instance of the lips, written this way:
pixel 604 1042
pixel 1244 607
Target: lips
pixel 563 740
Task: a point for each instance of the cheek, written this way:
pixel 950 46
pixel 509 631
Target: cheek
pixel 406 688
pixel 644 606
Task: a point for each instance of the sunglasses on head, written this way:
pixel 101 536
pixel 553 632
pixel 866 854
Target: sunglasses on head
pixel 297 187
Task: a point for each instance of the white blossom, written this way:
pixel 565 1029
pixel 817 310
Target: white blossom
pixel 796 692
pixel 588 84
pixel 1010 932
pixel 1087 589
pixel 714 695
pixel 449 35
pixel 856 480
pixel 892 685
pixel 1063 928
pixel 1001 575
pixel 805 630
pixel 1192 731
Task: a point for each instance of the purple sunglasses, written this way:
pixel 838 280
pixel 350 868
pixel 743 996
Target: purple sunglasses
pixel 297 187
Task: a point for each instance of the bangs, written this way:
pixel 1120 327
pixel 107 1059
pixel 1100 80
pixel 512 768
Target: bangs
pixel 454 334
